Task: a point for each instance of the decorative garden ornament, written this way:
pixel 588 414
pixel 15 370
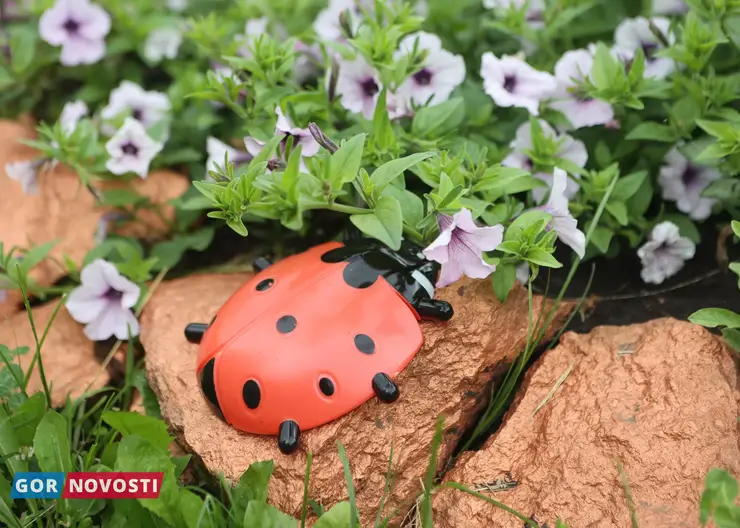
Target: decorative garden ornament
pixel 314 336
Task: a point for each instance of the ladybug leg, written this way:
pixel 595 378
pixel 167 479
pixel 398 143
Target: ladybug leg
pixel 288 437
pixel 434 309
pixel 194 332
pixel 261 264
pixel 385 389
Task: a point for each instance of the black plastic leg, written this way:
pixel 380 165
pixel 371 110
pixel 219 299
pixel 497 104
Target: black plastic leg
pixel 288 437
pixel 434 309
pixel 194 332
pixel 385 389
pixel 261 264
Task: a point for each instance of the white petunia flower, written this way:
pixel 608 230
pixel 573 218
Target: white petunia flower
pixel 327 24
pixel 162 43
pixel 358 86
pixel 569 149
pixel 131 149
pixel 635 33
pixel 440 74
pixel 512 82
pixel 563 222
pixel 253 29
pixel 683 182
pixel 218 150
pixel 103 302
pixel 26 174
pixel 79 27
pixel 581 110
pixel 177 5
pixel 71 115
pixel 665 253
pixel 146 107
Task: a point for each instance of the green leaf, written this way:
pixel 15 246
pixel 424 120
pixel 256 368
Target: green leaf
pixel 503 279
pixel 146 427
pixel 619 211
pixel 9 446
pixel 412 206
pixel 601 238
pixel 6 78
pixel 169 252
pixel 718 129
pixel 731 27
pixel 253 486
pixel 720 489
pixel 137 454
pixel 336 517
pixel 385 222
pixel 686 227
pixel 524 221
pixel 51 443
pixel 391 170
pixel 262 515
pixel 27 417
pixel 714 317
pixel 627 186
pixel 438 119
pixel 345 162
pixel 383 136
pixel 735 227
pixel 713 151
pixel 732 337
pixel 652 132
pixel 22 47
pixel 542 258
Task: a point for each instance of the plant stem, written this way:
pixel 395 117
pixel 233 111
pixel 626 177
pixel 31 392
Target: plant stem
pixel 349 209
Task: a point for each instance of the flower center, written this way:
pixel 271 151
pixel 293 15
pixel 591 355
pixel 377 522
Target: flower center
pixel 130 149
pixel 71 26
pixel 137 113
pixel 423 77
pixel 284 142
pixel 509 83
pixel 369 87
pixel 690 175
pixel 649 49
pixel 113 295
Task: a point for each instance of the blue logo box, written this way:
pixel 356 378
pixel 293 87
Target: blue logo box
pixel 37 485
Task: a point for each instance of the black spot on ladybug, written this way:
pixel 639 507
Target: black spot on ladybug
pixel 251 394
pixel 286 324
pixel 265 284
pixel 327 386
pixel 364 344
pixel 207 383
pixel 359 274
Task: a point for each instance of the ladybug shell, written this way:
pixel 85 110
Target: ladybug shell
pixel 267 372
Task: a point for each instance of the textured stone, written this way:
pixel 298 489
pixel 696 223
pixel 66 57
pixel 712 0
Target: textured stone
pixel 661 397
pixel 66 211
pixel 68 356
pixel 449 375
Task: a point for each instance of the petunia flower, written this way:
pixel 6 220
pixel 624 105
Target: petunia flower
pixel 79 27
pixel 669 7
pixel 440 74
pixel 131 149
pixel 580 109
pixel 683 182
pixel 284 127
pixel 664 254
pixel 535 10
pixel 569 149
pixel 563 222
pixel 328 25
pixel 635 33
pixel 510 81
pixel 358 86
pixel 177 5
pixel 217 150
pixel 162 43
pixel 146 107
pixel 71 115
pixel 460 246
pixel 103 302
pixel 26 174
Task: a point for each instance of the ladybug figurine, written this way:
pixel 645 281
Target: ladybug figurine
pixel 314 336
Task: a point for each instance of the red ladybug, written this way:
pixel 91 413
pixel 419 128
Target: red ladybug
pixel 314 336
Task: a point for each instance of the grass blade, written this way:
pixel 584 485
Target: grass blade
pixel 304 509
pixel 354 519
